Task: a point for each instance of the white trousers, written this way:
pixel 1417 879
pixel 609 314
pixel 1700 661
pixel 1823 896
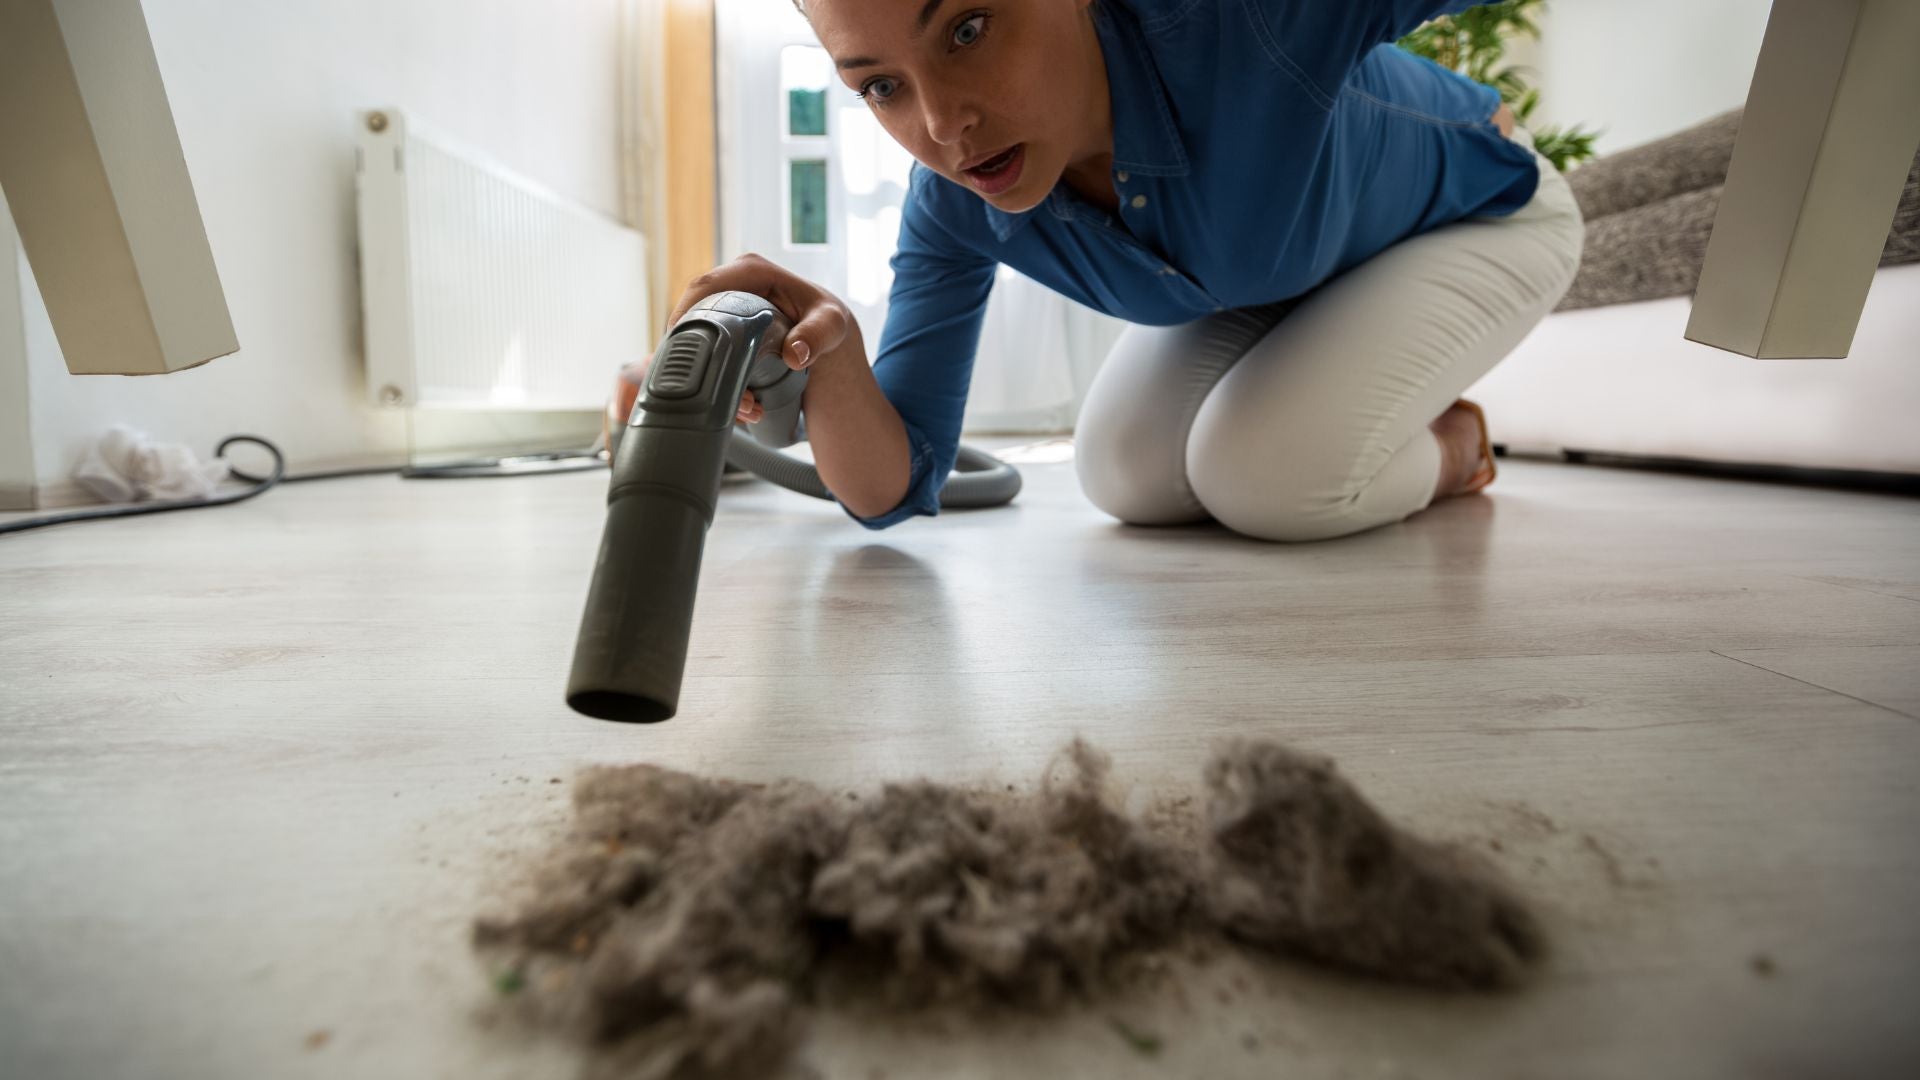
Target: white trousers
pixel 1308 418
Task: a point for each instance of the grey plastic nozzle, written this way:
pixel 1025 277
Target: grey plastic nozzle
pixel 667 464
pixel 632 650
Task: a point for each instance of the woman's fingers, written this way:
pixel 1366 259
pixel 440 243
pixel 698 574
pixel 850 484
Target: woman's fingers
pixel 750 273
pixel 819 322
pixel 750 410
pixel 818 332
pixel 1503 119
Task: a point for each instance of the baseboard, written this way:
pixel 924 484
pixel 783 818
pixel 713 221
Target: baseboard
pixel 17 497
pixel 54 496
pixel 1864 480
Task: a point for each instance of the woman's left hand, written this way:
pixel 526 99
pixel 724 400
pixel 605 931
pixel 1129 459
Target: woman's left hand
pixel 1504 119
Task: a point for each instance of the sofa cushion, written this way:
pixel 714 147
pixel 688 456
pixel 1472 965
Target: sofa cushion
pixel 1650 211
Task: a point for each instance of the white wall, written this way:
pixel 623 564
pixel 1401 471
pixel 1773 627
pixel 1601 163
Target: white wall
pixel 264 96
pixel 1642 69
pixel 16 438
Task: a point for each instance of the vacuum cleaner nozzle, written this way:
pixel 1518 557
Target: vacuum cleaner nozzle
pixel 632 649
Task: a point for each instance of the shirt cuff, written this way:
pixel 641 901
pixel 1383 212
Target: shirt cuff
pixel 923 488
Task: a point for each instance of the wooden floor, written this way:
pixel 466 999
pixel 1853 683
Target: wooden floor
pixel 260 765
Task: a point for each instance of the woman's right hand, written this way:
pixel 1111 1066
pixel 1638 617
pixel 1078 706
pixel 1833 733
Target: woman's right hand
pixel 820 322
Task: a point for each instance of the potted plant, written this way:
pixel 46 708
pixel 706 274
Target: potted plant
pixel 1474 43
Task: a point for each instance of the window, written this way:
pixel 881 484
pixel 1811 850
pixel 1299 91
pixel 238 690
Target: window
pixel 805 72
pixel 808 176
pixel 806 112
pixel 807 202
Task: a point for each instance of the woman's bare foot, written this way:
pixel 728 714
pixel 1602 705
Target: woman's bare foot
pixel 1461 467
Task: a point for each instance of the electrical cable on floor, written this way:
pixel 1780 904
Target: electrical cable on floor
pixel 260 485
pixel 277 475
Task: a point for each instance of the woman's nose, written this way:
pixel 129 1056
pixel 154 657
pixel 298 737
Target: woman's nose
pixel 948 119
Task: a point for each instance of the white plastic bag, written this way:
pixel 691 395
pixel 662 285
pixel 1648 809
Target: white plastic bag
pixel 124 465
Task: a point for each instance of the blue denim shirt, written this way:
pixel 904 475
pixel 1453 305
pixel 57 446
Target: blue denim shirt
pixel 1260 148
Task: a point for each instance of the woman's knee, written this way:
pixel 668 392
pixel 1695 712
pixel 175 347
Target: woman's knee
pixel 1130 438
pixel 1295 519
pixel 1115 477
pixel 1246 489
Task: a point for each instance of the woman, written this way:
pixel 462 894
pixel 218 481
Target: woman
pixel 1321 240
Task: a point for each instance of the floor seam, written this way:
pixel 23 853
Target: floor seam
pixel 1855 588
pixel 1815 685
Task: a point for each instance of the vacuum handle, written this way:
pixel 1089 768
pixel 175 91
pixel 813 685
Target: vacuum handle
pixel 781 426
pixel 777 387
pixel 631 653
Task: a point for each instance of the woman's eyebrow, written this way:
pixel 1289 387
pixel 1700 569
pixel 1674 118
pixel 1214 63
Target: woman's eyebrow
pixel 927 12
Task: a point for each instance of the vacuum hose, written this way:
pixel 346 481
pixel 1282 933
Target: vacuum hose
pixel 667 463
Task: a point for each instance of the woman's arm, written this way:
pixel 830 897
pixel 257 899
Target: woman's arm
pixel 858 439
pixel 922 368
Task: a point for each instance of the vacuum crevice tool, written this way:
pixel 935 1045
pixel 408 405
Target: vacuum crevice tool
pixel 667 465
pixel 668 459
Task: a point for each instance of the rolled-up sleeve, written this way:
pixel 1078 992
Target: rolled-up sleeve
pixel 1319 42
pixel 925 364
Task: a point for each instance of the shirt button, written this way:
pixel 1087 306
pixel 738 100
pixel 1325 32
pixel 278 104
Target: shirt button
pixel 1139 201
pixel 1122 174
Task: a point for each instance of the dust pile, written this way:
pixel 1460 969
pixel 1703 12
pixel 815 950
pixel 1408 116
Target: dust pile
pixel 685 923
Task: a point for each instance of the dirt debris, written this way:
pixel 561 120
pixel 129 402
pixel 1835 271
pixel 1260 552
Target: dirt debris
pixel 691 922
pixel 1304 863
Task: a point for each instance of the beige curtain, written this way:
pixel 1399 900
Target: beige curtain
pixel 643 142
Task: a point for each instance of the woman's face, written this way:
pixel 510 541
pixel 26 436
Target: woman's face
pixel 957 82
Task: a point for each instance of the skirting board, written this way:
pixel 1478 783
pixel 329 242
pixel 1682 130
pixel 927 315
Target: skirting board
pixel 17 497
pixel 59 495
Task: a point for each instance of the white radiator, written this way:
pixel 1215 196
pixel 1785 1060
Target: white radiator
pixel 482 289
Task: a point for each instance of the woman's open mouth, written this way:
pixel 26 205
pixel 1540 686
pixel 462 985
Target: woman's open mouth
pixel 998 174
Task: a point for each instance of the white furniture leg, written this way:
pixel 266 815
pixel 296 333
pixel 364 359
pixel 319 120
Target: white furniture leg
pixel 93 171
pixel 1831 127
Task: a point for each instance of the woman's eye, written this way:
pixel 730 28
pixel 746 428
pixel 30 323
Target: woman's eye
pixel 970 31
pixel 967 33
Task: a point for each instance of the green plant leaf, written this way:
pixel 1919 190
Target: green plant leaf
pixel 1474 41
